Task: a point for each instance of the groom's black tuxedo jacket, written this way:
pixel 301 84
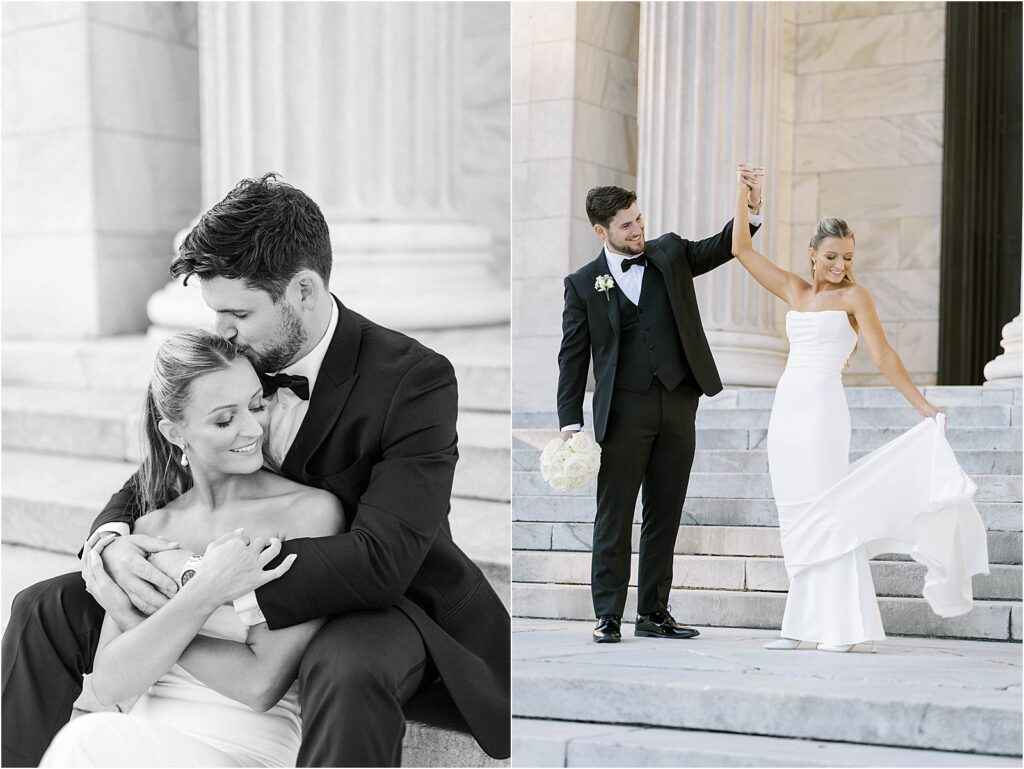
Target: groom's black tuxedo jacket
pixel 591 323
pixel 380 434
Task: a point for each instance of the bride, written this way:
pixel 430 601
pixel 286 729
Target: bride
pixel 215 692
pixel 909 496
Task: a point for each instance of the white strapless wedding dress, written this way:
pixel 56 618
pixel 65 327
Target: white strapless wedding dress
pixel 182 722
pixel 908 496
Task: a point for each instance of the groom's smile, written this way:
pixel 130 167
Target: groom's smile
pixel 625 232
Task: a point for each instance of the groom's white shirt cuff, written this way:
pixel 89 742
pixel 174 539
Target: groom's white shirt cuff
pixel 755 219
pixel 574 428
pixel 120 528
pixel 248 609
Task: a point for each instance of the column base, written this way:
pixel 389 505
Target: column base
pixel 743 358
pixel 406 276
pixel 1006 369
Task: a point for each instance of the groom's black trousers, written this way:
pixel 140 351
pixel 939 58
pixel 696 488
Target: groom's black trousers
pixel 649 440
pixel 358 672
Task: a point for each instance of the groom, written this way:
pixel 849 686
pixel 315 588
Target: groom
pixel 634 311
pixel 359 410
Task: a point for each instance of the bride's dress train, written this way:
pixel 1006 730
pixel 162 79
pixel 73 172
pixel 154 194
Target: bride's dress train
pixel 909 496
pixel 182 722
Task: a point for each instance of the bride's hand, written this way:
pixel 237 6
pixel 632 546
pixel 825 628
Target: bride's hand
pixel 233 566
pixel 930 411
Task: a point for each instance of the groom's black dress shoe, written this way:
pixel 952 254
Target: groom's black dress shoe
pixel 608 629
pixel 660 624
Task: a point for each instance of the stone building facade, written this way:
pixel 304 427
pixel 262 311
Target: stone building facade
pixel 841 102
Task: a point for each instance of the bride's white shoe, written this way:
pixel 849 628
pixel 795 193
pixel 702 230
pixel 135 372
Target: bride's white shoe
pixel 844 647
pixel 783 643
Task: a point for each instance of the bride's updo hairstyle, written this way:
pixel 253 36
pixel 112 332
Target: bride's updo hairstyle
pixel 179 362
pixel 831 227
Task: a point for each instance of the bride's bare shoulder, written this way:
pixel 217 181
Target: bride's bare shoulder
pixel 153 524
pixel 309 512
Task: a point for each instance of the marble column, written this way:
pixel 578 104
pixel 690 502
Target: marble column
pixel 1007 368
pixel 357 104
pixel 709 98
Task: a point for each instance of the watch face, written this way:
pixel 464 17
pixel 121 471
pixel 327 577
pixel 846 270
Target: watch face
pixel 187 575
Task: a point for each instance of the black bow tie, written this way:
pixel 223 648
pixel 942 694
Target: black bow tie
pixel 274 382
pixel 627 263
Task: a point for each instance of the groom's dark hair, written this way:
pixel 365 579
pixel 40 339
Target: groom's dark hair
pixel 603 202
pixel 263 232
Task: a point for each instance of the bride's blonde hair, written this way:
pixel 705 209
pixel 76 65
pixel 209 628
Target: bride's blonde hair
pixel 831 227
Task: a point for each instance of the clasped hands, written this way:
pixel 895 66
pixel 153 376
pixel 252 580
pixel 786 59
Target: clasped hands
pixel 135 574
pixel 749 178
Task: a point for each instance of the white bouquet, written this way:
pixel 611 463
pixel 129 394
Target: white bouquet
pixel 567 465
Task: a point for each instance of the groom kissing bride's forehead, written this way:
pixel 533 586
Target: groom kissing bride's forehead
pixel 633 311
pixel 263 258
pixel 350 408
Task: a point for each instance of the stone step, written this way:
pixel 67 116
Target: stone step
pixel 715 511
pixel 540 742
pixel 936 696
pixel 995 415
pixel 991 620
pixel 891 578
pixel 481 357
pixel 940 395
pixel 973 461
pixel 49 502
pixel 1004 547
pixel 991 488
pixel 861 438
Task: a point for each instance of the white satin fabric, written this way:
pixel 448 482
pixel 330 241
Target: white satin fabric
pixel 909 496
pixel 182 722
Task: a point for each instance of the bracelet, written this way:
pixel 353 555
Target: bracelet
pixel 755 210
pixel 188 571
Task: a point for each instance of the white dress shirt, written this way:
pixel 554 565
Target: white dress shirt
pixel 630 282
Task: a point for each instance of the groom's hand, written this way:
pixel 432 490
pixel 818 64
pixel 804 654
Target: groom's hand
pixel 751 177
pixel 125 559
pixel 567 434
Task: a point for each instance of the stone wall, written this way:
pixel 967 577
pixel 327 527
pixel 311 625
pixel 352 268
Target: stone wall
pixel 865 81
pixel 574 87
pixel 101 160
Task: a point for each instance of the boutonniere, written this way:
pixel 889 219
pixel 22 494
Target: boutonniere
pixel 604 284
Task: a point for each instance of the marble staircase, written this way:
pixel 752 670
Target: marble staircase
pixel 728 567
pixel 938 692
pixel 70 438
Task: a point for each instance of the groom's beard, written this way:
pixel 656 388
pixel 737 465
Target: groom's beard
pixel 289 338
pixel 627 249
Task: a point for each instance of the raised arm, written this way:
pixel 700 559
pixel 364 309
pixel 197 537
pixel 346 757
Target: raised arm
pixel 883 354
pixel 782 283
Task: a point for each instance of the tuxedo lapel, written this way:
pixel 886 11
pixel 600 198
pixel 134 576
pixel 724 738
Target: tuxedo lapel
pixel 660 261
pixel 611 302
pixel 334 383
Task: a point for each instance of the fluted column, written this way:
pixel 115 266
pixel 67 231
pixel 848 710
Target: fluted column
pixel 709 96
pixel 357 104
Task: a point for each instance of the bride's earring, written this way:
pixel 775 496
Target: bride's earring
pixel 184 457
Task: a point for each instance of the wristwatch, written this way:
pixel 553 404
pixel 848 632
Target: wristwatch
pixel 189 569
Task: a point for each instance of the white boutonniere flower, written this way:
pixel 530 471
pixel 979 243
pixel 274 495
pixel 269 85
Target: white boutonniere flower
pixel 604 284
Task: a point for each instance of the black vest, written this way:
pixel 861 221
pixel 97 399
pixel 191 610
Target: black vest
pixel 649 344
